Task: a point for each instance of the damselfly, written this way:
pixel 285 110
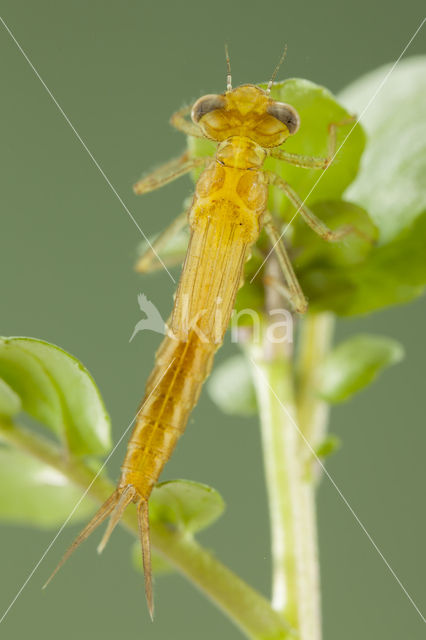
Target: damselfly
pixel 228 211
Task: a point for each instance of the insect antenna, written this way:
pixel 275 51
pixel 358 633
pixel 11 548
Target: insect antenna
pixel 101 515
pixel 143 521
pixel 228 70
pixel 271 81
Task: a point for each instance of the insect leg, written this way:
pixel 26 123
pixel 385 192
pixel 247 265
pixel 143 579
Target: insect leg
pixel 168 172
pixel 312 162
pixel 293 290
pixel 278 286
pixel 148 261
pixel 180 122
pixel 310 218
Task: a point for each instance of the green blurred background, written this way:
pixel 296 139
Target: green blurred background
pixel 119 69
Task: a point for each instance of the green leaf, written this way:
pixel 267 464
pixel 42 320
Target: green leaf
pixel 328 446
pixel 10 403
pixel 181 504
pixel 354 364
pixel 231 387
pixel 354 249
pixel 392 182
pixel 185 505
pixel 34 493
pixel 393 273
pixel 58 391
pixel 159 564
pixel 391 186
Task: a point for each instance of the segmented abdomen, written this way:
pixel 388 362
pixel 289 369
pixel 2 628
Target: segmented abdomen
pixel 171 393
pixel 222 232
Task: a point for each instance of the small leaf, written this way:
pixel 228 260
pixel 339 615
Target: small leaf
pixel 328 446
pixel 231 387
pixel 34 493
pixel 391 186
pixel 185 505
pixel 58 391
pixel 353 249
pixel 181 504
pixel 159 564
pixel 10 403
pixel 393 273
pixel 354 364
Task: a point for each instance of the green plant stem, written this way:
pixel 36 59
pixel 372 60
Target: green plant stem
pixel 243 605
pixel 314 344
pixel 288 461
pixel 312 416
pixel 279 442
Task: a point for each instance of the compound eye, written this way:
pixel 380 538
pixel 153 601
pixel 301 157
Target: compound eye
pixel 206 104
pixel 285 114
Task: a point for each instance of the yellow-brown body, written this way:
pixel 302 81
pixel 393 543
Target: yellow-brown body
pixel 172 391
pixel 225 219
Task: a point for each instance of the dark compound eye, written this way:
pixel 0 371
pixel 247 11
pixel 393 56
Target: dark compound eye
pixel 285 114
pixel 205 105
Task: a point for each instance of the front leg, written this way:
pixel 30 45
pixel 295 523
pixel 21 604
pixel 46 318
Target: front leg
pixel 312 162
pixel 180 122
pixel 168 172
pixel 310 218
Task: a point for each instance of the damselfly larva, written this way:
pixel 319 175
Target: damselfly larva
pixel 227 214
